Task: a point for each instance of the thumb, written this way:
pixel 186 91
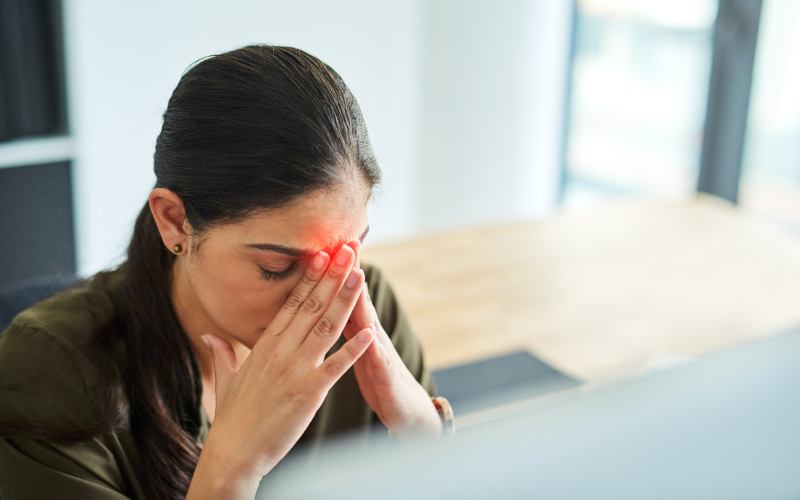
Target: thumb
pixel 225 363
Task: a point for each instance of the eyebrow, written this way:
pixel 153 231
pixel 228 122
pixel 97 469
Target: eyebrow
pixel 294 252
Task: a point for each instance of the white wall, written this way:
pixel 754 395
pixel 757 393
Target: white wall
pixel 493 99
pixel 410 64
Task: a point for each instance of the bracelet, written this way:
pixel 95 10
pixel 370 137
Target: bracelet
pixel 445 411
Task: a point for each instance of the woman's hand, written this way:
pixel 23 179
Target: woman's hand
pixel 264 405
pixel 390 389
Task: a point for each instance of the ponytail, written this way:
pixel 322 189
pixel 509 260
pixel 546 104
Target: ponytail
pixel 164 398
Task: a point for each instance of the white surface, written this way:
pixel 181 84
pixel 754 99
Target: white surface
pixel 437 148
pixel 723 427
pixel 494 80
pixel 35 151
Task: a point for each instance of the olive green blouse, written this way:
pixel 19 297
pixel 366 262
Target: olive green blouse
pixel 45 378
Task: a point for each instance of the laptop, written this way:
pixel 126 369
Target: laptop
pixel 725 426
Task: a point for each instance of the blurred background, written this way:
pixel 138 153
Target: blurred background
pixel 575 192
pixel 498 111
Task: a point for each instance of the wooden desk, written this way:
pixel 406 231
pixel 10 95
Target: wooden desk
pixel 599 294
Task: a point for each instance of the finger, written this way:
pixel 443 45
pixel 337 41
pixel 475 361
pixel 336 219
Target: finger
pixel 370 317
pixel 380 366
pixel 339 362
pixel 384 348
pixel 356 246
pixel 319 299
pixel 383 338
pixel 363 314
pixel 299 294
pixel 327 330
pixel 225 362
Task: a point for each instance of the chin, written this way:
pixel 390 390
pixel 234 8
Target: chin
pixel 252 337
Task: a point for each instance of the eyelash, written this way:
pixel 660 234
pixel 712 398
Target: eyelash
pixel 276 276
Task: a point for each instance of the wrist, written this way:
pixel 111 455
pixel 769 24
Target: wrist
pixel 220 474
pixel 431 421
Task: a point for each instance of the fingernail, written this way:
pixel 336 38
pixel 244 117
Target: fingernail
pixel 318 262
pixel 341 257
pixel 205 340
pixel 352 279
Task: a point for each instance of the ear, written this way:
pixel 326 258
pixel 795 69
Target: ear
pixel 170 217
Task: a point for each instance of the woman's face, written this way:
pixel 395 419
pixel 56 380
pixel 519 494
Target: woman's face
pixel 242 273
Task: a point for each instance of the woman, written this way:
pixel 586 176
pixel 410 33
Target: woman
pixel 242 304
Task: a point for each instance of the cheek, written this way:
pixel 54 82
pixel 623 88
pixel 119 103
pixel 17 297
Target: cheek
pixel 239 302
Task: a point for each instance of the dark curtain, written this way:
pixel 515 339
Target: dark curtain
pixel 31 81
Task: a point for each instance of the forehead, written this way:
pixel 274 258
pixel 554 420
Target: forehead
pixel 320 220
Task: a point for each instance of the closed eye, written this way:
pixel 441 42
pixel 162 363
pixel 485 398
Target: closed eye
pixel 277 275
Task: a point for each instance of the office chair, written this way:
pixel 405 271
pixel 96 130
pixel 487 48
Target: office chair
pixel 16 297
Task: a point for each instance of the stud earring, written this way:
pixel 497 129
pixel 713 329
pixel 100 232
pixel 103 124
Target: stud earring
pixel 177 248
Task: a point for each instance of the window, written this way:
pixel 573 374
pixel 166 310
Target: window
pixel 638 100
pixel 770 181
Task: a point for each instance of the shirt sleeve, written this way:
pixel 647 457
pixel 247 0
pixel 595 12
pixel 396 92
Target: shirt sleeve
pixel 395 321
pixel 39 469
pixel 43 386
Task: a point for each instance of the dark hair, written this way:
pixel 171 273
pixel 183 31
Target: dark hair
pixel 246 130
